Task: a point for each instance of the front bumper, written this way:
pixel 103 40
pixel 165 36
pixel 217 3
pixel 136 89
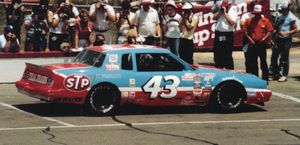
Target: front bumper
pixel 255 96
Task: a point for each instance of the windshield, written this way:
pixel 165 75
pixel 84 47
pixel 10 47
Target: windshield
pixel 90 57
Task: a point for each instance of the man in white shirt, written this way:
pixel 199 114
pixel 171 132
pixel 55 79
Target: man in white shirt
pixel 224 38
pixel 148 24
pixel 104 16
pixel 171 23
pixel 8 40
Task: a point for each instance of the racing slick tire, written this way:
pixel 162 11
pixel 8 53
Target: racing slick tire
pixel 104 99
pixel 227 97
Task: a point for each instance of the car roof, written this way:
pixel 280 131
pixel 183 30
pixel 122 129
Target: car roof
pixel 127 47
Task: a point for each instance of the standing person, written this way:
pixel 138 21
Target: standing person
pixel 125 25
pixel 83 31
pixel 258 29
pixel 8 40
pixel 148 24
pixel 285 28
pixel 223 43
pixel 245 39
pixel 171 24
pixel 14 16
pixel 58 29
pixel 189 24
pixel 74 18
pixel 104 16
pixel 37 29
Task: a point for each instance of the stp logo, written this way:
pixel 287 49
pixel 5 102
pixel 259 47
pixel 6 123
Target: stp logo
pixel 77 82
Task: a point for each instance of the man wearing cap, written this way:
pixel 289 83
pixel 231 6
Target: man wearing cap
pixel 171 23
pixel 285 27
pixel 8 40
pixel 223 44
pixel 104 16
pixel 258 29
pixel 189 24
pixel 148 24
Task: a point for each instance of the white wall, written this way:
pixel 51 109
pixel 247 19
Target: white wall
pixel 12 69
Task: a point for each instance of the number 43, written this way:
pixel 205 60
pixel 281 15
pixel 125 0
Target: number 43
pixel 153 86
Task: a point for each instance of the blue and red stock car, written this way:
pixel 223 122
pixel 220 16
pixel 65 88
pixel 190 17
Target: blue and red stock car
pixel 104 78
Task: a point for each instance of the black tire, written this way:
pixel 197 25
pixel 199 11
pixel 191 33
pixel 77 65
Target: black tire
pixel 227 97
pixel 104 99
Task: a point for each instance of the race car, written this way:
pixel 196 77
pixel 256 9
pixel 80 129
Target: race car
pixel 106 77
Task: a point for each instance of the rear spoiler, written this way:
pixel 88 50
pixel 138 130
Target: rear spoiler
pixel 39 67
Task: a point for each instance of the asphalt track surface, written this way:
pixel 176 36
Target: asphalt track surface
pixel 27 121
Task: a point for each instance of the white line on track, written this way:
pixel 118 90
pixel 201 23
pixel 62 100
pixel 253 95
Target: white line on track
pixel 152 124
pixel 45 118
pixel 286 97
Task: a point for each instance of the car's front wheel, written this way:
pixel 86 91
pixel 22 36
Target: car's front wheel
pixel 227 96
pixel 103 99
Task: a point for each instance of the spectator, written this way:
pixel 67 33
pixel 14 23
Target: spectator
pixel 190 21
pixel 171 23
pixel 258 29
pixel 8 40
pixel 104 16
pixel 58 29
pixel 125 24
pixel 223 44
pixel 14 16
pixel 84 28
pixel 37 29
pixel 74 18
pixel 245 39
pixel 46 12
pixel 99 40
pixel 148 24
pixel 285 27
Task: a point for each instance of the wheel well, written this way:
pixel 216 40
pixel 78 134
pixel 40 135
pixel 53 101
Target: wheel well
pixel 105 83
pixel 244 95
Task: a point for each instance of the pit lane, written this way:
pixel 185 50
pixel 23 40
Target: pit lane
pixel 26 120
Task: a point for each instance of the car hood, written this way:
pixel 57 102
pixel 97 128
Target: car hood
pixel 248 80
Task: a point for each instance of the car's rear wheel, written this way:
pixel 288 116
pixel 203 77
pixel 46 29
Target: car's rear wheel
pixel 227 97
pixel 103 99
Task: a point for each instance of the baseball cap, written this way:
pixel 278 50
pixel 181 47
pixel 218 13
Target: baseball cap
pixel 171 3
pixel 187 6
pixel 284 5
pixel 257 9
pixel 146 2
pixel 226 3
pixel 8 28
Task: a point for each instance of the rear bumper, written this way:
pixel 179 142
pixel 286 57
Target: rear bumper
pixel 49 94
pixel 258 95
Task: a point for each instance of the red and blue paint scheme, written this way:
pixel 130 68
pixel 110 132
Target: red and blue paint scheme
pixel 109 76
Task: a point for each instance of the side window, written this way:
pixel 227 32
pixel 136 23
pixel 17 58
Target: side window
pixel 127 62
pixel 157 62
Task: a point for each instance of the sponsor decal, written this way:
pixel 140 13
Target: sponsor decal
pixel 113 58
pixel 131 94
pixel 132 82
pixel 77 82
pixel 209 76
pixel 197 82
pixel 188 77
pixel 112 67
pixel 125 94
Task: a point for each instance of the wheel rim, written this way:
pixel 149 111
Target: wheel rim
pixel 229 97
pixel 103 99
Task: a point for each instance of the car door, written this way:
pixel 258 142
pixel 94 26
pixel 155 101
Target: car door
pixel 162 80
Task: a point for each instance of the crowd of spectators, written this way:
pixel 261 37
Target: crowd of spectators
pixel 63 26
